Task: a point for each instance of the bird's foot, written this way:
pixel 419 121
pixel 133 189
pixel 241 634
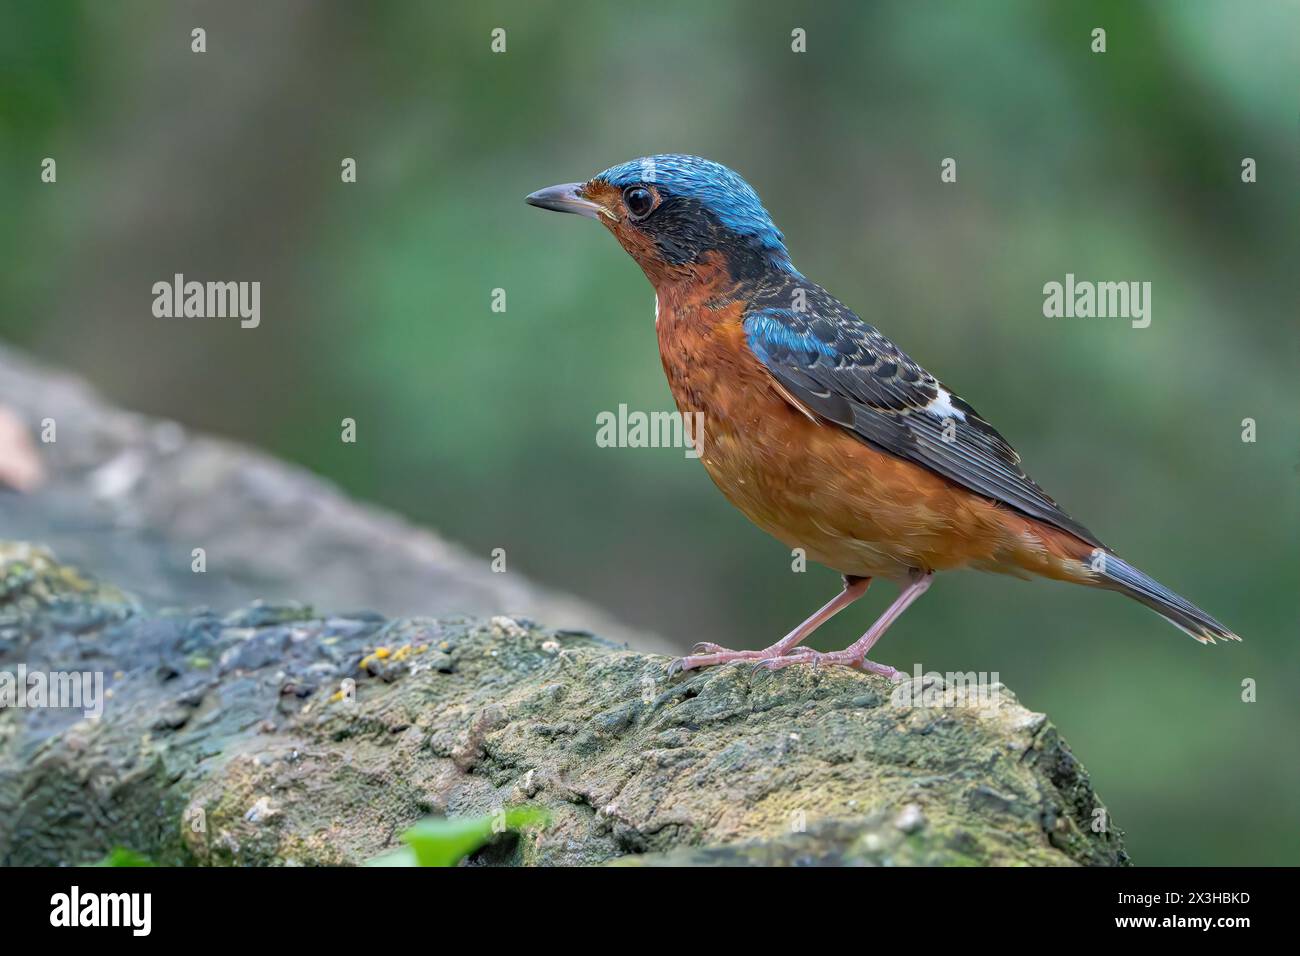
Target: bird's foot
pixel 845 658
pixel 706 655
pixel 704 647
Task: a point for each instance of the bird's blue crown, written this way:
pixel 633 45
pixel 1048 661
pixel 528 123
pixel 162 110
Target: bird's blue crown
pixel 718 190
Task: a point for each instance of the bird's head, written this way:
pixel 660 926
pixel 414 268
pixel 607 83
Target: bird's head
pixel 672 212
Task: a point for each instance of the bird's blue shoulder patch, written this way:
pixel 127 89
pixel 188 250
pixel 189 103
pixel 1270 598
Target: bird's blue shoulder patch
pixel 780 332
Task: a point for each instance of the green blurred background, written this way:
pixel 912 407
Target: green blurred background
pixel 376 305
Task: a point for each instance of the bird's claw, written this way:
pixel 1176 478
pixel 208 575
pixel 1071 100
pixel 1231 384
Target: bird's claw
pixel 715 655
pixel 883 670
pixel 776 663
pixel 771 660
pixel 817 659
pixel 705 647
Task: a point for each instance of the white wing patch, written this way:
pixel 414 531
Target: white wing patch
pixel 941 406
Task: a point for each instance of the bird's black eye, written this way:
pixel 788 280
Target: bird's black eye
pixel 639 201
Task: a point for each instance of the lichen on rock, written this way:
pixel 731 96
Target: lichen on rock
pixel 277 736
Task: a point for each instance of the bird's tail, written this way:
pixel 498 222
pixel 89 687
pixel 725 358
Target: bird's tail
pixel 1115 574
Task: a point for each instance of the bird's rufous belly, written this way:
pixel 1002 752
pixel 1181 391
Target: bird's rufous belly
pixel 815 486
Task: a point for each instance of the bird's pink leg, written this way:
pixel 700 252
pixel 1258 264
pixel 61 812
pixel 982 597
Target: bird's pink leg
pixel 855 655
pixel 854 588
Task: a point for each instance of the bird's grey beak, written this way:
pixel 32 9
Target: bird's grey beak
pixel 565 198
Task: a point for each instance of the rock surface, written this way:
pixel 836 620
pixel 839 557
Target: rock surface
pixel 274 735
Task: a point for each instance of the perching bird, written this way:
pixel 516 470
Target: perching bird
pixel 821 430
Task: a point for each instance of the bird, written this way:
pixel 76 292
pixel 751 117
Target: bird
pixel 821 430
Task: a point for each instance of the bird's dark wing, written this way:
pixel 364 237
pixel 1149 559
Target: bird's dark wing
pixel 846 372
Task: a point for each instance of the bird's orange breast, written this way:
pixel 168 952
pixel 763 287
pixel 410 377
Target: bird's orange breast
pixel 812 484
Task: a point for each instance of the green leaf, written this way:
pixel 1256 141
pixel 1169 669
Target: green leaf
pixel 447 841
pixel 120 856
